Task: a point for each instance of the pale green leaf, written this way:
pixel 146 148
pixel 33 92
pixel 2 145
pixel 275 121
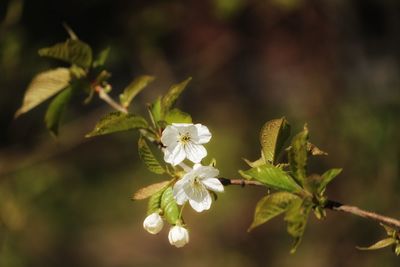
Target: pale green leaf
pixel 380 244
pixel 273 135
pixel 272 177
pixel 169 99
pixel 170 208
pixel 154 204
pixel 177 116
pixel 389 230
pixel 150 190
pixel 117 122
pixel 43 86
pixel 327 177
pixel 156 110
pixel 271 206
pixel 298 156
pixel 397 250
pixel 256 163
pixel 296 217
pixel 134 88
pixel 101 58
pixel 56 109
pixel 148 158
pixel 71 51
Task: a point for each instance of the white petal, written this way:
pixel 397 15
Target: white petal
pixel 169 136
pixel 179 191
pixel 195 153
pixel 207 172
pixel 203 134
pixel 213 184
pixel 182 124
pixel 176 156
pixel 201 203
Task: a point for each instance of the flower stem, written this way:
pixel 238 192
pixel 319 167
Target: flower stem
pixel 106 98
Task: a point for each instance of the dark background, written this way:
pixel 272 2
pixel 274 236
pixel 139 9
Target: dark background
pixel 333 64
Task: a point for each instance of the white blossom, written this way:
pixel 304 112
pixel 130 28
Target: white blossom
pixel 153 223
pixel 178 236
pixel 195 185
pixel 185 140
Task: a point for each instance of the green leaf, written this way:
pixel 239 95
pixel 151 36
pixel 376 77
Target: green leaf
pixel 327 177
pixel 380 244
pixel 154 204
pixel 273 135
pixel 150 190
pixel 101 58
pixel 298 156
pixel 296 218
pixel 71 51
pixel 43 86
pixel 169 99
pixel 272 177
pixel 117 122
pixel 148 158
pixel 169 206
pixel 56 109
pixel 134 88
pixel 256 163
pixel 397 250
pixel 177 116
pixel 271 206
pixel 156 110
pixel 389 230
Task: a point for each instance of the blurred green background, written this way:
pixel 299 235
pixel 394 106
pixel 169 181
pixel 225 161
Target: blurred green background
pixel 332 63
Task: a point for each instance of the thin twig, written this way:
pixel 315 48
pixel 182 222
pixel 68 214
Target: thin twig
pixel 330 204
pixel 336 206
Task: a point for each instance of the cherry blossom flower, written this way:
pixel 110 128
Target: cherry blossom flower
pixel 195 185
pixel 178 236
pixel 153 223
pixel 185 140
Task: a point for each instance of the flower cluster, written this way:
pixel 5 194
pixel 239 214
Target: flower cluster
pixel 183 141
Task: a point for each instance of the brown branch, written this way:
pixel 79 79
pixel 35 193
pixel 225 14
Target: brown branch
pixel 336 206
pixel 332 205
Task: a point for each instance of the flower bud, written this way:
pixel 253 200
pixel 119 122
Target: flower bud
pixel 178 236
pixel 153 223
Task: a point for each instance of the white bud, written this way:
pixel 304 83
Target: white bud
pixel 178 236
pixel 153 223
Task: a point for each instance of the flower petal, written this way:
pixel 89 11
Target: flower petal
pixel 195 153
pixel 203 134
pixel 202 201
pixel 169 136
pixel 176 156
pixel 179 191
pixel 207 172
pixel 213 184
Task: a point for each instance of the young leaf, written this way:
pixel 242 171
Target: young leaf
pixel 169 99
pixel 272 177
pixel 298 156
pixel 101 58
pixel 177 116
pixel 327 177
pixel 148 191
pixel 397 250
pixel 296 218
pixel 56 109
pixel 117 122
pixel 256 163
pixel 271 206
pixel 134 88
pixel 43 86
pixel 380 244
pixel 389 230
pixel 169 206
pixel 156 110
pixel 148 158
pixel 154 204
pixel 71 51
pixel 273 135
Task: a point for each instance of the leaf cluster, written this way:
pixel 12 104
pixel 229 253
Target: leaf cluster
pixel 295 193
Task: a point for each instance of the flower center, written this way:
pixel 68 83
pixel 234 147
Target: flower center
pixel 184 138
